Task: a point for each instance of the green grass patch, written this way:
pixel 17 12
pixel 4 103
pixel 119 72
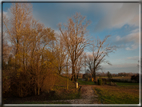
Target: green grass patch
pixel 117 95
pixel 81 82
pixel 126 84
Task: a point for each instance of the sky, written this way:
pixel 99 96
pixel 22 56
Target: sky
pixel 120 20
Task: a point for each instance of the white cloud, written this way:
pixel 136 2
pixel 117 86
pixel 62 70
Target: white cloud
pixel 132 47
pixel 118 14
pixel 123 67
pixel 132 38
pixel 133 58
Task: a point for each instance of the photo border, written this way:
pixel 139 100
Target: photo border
pixel 80 1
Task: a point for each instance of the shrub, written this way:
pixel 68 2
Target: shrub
pixel 113 84
pixel 49 81
pixel 100 81
pixel 6 83
pixel 135 77
pixel 86 76
pixel 104 80
pixel 109 75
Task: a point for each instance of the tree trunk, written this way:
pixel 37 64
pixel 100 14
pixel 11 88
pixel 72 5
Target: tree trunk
pixel 73 73
pixel 94 75
pixel 35 89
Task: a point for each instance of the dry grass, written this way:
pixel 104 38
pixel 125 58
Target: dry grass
pixel 120 77
pixel 61 83
pixel 126 78
pixel 118 94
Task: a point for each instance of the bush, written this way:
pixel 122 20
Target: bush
pixel 109 75
pixel 100 81
pixel 49 81
pixel 104 80
pixel 135 78
pixel 113 84
pixel 20 85
pixel 86 76
pixel 6 83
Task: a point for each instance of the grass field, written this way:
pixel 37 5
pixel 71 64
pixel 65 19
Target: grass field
pixel 131 85
pixel 85 82
pixel 120 77
pixel 123 93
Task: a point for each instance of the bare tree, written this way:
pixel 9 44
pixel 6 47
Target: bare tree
pixel 20 15
pixel 99 52
pixel 89 63
pixel 60 55
pixel 74 38
pixel 79 64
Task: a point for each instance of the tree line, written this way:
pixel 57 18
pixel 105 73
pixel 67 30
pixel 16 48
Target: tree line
pixel 34 54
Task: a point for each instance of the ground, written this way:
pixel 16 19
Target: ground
pixel 87 96
pixel 90 93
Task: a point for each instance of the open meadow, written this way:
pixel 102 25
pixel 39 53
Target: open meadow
pixel 121 77
pixel 123 93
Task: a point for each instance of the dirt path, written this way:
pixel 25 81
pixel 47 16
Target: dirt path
pixel 87 96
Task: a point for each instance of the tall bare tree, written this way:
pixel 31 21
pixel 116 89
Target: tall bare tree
pixel 20 15
pixel 80 64
pixel 99 52
pixel 74 38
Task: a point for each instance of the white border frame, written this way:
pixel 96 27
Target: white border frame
pixel 101 1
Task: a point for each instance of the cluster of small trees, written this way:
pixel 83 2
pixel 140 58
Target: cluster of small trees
pixel 125 74
pixel 33 54
pixel 29 53
pixel 103 74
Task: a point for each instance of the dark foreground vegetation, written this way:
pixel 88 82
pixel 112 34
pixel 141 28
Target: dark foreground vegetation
pixel 58 92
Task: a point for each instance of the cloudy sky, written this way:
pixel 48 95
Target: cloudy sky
pixel 120 20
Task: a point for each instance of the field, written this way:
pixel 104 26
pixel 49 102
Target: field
pixel 123 93
pixel 85 82
pixel 120 77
